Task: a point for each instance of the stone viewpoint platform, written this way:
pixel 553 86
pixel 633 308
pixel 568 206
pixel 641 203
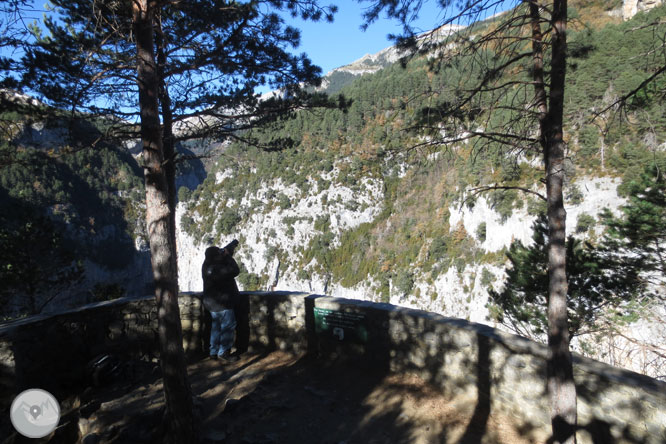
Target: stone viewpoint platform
pixel 503 375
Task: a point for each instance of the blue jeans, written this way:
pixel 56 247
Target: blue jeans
pixel 222 331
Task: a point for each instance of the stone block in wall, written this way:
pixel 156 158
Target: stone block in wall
pixel 7 374
pixel 618 403
pixel 193 323
pixel 272 321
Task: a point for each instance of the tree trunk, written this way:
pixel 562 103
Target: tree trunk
pixel 177 392
pixel 561 387
pixel 168 141
pixel 602 149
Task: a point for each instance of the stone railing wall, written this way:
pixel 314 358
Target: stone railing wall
pixel 51 351
pixel 497 371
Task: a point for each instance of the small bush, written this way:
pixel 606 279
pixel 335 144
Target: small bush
pixel 575 195
pixel 585 223
pixel 184 194
pixel 481 232
pixel 404 282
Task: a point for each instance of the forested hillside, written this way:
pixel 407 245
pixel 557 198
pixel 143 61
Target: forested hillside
pixel 360 206
pixel 72 220
pixel 73 213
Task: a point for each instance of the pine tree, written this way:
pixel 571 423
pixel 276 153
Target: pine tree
pixel 599 284
pixel 183 69
pixel 639 235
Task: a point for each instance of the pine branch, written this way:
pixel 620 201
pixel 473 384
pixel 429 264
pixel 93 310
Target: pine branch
pixel 623 100
pixel 478 190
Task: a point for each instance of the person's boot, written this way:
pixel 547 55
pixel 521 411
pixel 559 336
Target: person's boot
pixel 228 357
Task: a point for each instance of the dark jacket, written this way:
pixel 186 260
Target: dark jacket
pixel 219 270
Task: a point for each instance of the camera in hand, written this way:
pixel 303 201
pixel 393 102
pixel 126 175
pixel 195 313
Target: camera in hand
pixel 231 247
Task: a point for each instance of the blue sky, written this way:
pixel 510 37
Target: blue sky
pixel 331 45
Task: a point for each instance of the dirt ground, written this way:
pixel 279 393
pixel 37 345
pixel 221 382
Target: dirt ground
pixel 281 398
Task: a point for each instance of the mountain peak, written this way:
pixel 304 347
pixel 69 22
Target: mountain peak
pixel 371 63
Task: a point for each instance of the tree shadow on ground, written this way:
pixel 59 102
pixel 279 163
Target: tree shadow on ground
pixel 329 404
pixel 283 398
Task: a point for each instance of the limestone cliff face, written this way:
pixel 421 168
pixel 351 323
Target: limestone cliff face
pixel 462 293
pixel 458 293
pixel 631 7
pixel 287 230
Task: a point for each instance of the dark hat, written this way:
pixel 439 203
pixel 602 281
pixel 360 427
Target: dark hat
pixel 211 252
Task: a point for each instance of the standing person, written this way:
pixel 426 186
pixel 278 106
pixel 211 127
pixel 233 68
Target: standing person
pixel 220 292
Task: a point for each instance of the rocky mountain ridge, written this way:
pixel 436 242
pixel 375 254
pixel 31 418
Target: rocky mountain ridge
pixel 631 7
pixel 371 63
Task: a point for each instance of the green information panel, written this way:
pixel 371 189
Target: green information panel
pixel 341 325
